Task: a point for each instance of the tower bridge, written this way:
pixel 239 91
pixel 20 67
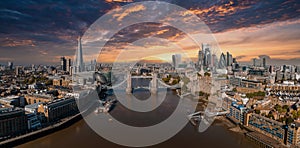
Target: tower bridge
pixel 152 86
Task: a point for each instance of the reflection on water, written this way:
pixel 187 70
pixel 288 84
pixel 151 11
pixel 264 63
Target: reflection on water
pixel 80 135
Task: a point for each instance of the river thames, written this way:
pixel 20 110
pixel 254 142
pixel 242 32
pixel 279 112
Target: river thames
pixel 81 135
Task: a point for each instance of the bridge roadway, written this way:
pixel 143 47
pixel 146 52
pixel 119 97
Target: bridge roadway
pixel 160 82
pixel 207 113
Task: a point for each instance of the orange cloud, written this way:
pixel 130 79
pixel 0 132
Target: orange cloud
pixel 14 43
pixel 133 9
pixel 222 10
pixel 162 31
pixel 263 40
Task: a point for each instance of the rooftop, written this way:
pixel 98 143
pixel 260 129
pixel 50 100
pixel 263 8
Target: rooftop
pixel 35 105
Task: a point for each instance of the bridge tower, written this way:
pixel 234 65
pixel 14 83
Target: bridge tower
pixel 129 86
pixel 153 86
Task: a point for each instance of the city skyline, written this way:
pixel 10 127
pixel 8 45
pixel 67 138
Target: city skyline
pixel 245 29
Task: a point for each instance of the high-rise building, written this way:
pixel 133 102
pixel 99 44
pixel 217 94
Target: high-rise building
pixel 33 67
pixel 229 59
pixel 10 65
pixel 173 60
pixel 207 54
pixel 68 65
pixel 93 64
pixel 214 61
pixel 298 69
pixel 222 61
pixel 200 58
pixel 63 63
pixel 271 69
pixel 234 60
pixel 293 68
pixel 254 60
pixel 176 60
pixel 17 70
pixel 264 63
pixel 78 64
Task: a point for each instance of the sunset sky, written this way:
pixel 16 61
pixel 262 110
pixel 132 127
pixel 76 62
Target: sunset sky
pixel 40 32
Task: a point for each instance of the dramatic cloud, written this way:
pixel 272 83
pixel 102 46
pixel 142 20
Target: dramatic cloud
pixel 128 11
pixel 243 27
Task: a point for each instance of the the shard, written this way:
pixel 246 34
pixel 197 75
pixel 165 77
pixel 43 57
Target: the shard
pixel 78 65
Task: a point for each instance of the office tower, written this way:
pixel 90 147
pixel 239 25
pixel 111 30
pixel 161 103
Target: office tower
pixel 229 59
pixel 207 54
pixel 264 62
pixel 200 58
pixel 235 66
pixel 10 65
pixel 283 68
pixel 17 70
pixel 254 60
pixel 78 64
pixel 214 61
pixel 63 63
pixel 68 65
pixel 298 69
pixel 222 61
pixel 33 67
pixel 176 60
pixel 92 66
pixel 271 69
pixel 234 60
pixel 173 61
pixel 288 68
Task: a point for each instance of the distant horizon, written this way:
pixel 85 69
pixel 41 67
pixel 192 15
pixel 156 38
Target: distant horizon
pixel 144 61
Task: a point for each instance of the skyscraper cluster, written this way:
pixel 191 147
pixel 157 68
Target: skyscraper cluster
pixel 261 62
pixel 65 64
pixel 207 59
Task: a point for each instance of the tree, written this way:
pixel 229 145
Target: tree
pixel 282 119
pixel 166 80
pixel 201 93
pixel 298 113
pixel 295 115
pixel 279 108
pixel 49 82
pixel 207 74
pixel 285 107
pixel 175 81
pixel 234 89
pixel 257 111
pixel 289 120
pixel 270 116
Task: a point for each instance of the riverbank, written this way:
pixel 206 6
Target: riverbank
pixel 259 139
pixel 231 125
pixel 66 122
